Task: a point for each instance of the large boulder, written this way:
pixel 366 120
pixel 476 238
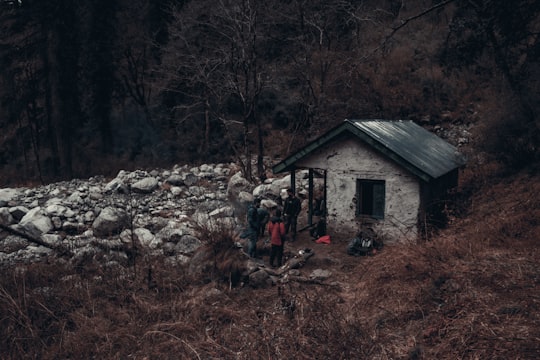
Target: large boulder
pixel 145 186
pixel 237 184
pixel 271 190
pixel 141 236
pixel 110 221
pixel 191 179
pixel 6 195
pixel 36 219
pixel 5 216
pixel 175 180
pixel 18 212
pixel 115 185
pixel 187 244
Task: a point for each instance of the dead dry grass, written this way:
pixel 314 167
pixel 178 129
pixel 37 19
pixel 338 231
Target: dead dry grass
pixel 470 293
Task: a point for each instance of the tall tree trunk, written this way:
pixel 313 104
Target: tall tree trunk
pixel 66 72
pixel 247 151
pixel 206 127
pixel 50 130
pixel 101 73
pixel 260 151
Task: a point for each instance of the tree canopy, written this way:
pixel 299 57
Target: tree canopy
pixel 88 88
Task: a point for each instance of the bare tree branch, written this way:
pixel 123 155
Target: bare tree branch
pixel 414 17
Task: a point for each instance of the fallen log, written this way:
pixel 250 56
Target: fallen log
pixel 296 262
pixel 34 240
pixel 305 280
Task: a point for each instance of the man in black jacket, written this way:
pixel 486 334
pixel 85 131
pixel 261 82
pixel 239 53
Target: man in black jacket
pixel 264 216
pixel 253 227
pixel 291 209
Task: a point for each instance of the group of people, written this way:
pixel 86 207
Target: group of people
pixel 278 228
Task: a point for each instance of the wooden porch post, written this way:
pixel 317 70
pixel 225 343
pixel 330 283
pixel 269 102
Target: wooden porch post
pixel 310 197
pixel 293 181
pixel 325 212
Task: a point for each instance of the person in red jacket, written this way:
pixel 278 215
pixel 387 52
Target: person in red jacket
pixel 276 229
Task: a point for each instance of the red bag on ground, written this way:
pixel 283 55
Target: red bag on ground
pixel 323 240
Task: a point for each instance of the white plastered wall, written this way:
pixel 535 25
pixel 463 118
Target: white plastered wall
pixel 348 160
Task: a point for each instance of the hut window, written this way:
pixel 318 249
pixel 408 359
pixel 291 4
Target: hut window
pixel 370 198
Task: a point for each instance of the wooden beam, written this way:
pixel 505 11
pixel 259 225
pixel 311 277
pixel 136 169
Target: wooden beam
pixel 33 239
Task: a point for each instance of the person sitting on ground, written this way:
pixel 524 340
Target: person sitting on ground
pixel 319 229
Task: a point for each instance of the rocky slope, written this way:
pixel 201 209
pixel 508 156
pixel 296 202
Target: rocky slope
pixel 159 211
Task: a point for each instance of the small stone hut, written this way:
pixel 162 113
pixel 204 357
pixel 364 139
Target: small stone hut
pixel 392 176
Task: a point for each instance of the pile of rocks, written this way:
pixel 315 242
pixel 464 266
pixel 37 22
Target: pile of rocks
pixel 158 211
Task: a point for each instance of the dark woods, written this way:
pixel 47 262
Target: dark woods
pixel 91 87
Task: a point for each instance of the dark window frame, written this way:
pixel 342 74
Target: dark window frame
pixel 370 198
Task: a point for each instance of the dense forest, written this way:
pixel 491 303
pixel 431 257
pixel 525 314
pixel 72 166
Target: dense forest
pixel 93 87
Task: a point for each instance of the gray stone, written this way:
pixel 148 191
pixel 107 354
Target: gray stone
pixel 110 221
pixel 175 180
pixel 176 191
pixel 36 218
pixel 56 210
pixel 6 195
pixel 18 212
pixel 145 186
pixel 5 216
pixel 188 244
pixel 320 274
pixel 114 185
pixel 237 183
pixel 170 234
pixel 12 244
pixel 190 179
pixel 73 227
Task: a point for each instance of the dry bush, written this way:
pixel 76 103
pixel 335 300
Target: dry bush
pixel 432 95
pixel 219 257
pixel 508 131
pixel 451 299
pixel 52 311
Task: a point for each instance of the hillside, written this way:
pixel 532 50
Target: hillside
pixel 469 292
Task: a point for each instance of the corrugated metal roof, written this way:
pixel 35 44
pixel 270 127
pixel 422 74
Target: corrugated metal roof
pixel 420 151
